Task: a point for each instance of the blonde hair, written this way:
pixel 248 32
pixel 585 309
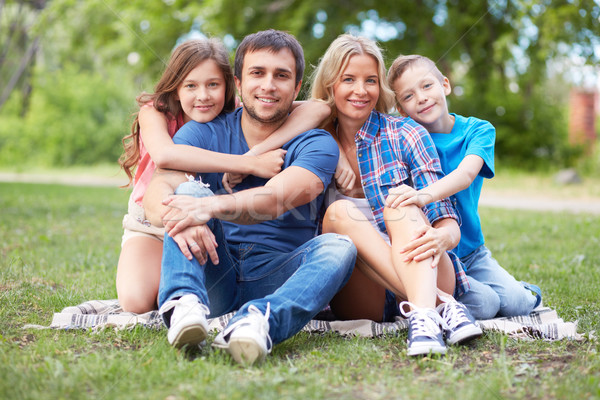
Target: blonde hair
pixel 402 63
pixel 334 62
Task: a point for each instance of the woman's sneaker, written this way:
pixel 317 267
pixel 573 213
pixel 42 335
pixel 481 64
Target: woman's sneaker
pixel 424 333
pixel 247 340
pixel 459 325
pixel 188 321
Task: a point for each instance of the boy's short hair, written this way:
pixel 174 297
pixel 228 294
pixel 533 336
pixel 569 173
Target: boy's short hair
pixel 402 63
pixel 274 41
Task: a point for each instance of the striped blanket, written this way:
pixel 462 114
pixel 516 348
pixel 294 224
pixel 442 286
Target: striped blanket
pixel 542 323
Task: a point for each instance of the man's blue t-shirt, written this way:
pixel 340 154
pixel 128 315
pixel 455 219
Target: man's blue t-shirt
pixel 468 136
pixel 314 150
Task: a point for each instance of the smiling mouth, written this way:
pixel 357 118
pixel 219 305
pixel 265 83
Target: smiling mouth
pixel 266 101
pixel 358 102
pixel 426 109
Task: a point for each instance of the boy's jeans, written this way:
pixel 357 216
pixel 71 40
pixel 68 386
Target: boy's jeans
pixel 298 284
pixel 494 292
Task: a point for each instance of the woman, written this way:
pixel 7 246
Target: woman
pixel 398 249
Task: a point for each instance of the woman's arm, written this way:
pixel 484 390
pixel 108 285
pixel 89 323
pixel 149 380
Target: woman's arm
pixel 168 155
pixel 305 115
pixel 457 180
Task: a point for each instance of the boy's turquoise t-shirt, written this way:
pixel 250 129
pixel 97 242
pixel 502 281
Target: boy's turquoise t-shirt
pixel 469 136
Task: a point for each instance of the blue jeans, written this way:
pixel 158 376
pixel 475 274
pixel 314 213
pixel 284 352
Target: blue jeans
pixel 297 284
pixel 494 292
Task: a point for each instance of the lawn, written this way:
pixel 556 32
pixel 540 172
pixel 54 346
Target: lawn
pixel 59 247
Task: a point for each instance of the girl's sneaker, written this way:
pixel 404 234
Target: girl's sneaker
pixel 459 325
pixel 424 333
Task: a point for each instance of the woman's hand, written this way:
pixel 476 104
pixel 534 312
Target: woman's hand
pixel 428 242
pixel 405 195
pixel 199 241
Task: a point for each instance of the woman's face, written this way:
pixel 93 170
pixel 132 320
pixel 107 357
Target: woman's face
pixel 357 90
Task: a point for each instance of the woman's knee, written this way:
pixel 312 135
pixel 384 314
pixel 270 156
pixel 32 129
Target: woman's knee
pixel 338 214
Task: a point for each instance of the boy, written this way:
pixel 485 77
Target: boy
pixel 466 150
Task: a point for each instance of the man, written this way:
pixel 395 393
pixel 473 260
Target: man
pixel 255 249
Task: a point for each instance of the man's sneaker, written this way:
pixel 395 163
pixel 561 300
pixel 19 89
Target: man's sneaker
pixel 247 340
pixel 188 321
pixel 459 325
pixel 424 333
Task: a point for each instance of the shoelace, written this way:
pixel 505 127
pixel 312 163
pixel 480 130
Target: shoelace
pixel 454 315
pixel 187 300
pixel 423 322
pixel 258 319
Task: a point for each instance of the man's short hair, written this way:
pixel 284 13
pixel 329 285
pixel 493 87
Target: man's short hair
pixel 274 41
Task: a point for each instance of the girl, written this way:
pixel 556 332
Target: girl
pixel 198 85
pixel 384 152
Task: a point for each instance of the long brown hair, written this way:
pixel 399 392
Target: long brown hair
pixel 184 59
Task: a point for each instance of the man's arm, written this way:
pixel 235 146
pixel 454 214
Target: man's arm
pixel 163 183
pixel 289 189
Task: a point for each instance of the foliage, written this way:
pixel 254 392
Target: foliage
pixel 60 247
pixel 501 53
pixel 75 118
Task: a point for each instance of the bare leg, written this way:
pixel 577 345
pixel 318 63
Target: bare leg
pixel 138 274
pixel 376 260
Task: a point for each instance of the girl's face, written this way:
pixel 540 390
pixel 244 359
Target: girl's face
pixel 357 90
pixel 202 92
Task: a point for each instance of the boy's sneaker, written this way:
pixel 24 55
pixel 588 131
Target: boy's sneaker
pixel 247 340
pixel 459 325
pixel 188 321
pixel 424 333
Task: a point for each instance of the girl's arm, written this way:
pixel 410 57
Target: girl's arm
pixel 168 155
pixel 457 180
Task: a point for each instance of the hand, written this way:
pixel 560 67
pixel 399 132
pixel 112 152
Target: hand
pixel 200 241
pixel 344 175
pixel 185 211
pixel 230 180
pixel 405 195
pixel 269 164
pixel 427 242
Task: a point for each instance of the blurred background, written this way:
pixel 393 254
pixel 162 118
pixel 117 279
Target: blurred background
pixel 70 70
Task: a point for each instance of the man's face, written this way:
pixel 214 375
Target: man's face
pixel 268 84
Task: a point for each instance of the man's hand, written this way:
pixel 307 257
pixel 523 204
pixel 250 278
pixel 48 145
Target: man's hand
pixel 199 241
pixel 185 211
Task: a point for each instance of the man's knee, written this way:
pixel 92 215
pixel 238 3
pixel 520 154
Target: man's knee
pixel 482 301
pixel 193 188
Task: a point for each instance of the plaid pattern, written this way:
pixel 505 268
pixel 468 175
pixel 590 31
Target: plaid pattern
pixel 543 323
pixel 392 151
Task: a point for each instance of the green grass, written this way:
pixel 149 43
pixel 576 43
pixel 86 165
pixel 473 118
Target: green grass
pixel 59 246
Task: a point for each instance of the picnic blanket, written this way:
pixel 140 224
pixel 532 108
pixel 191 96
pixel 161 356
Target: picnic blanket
pixel 542 323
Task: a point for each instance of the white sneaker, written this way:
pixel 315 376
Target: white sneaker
pixel 247 340
pixel 459 324
pixel 188 321
pixel 424 332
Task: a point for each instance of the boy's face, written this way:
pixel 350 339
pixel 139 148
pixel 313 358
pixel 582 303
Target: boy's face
pixel 422 96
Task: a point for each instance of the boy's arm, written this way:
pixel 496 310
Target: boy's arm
pixel 168 155
pixel 457 180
